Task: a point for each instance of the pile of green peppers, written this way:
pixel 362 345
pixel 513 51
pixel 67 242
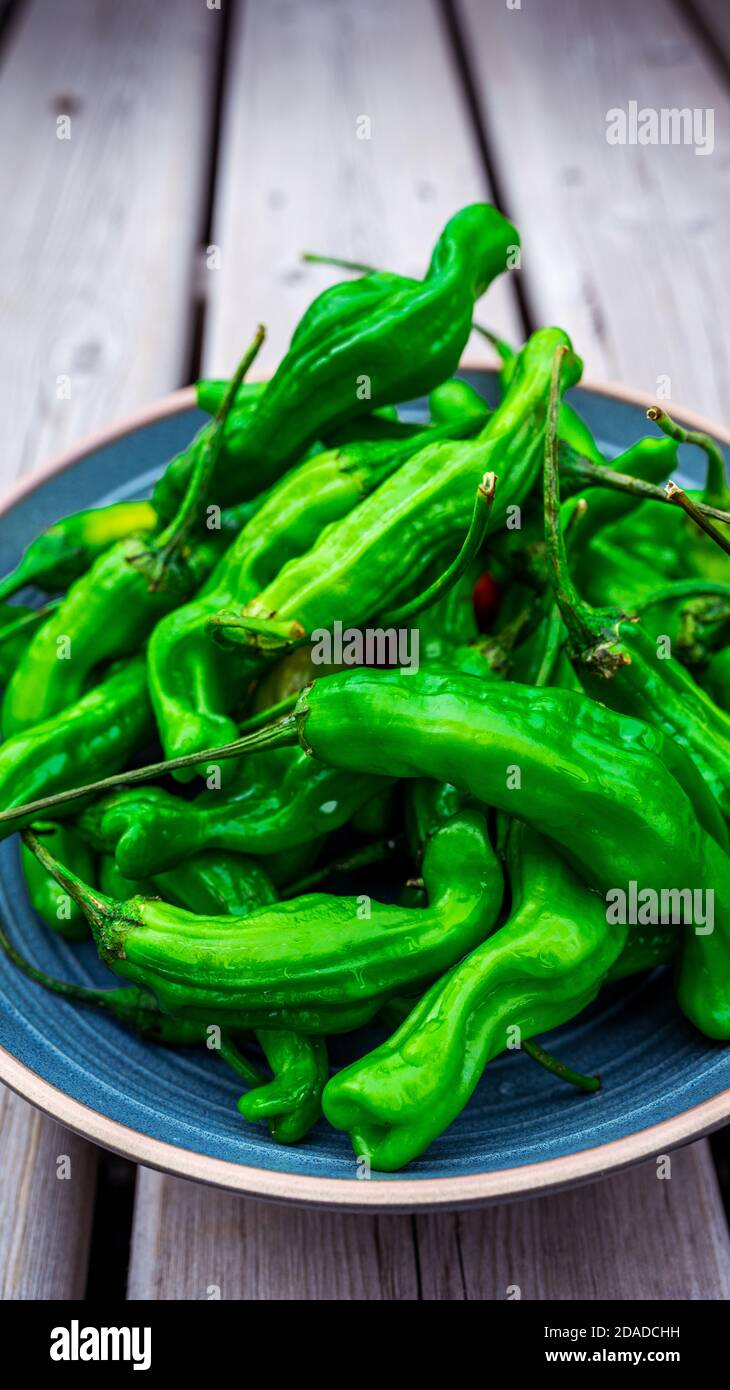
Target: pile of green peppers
pixel 280 823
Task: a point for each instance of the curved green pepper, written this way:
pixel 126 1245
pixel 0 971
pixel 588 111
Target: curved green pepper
pixel 361 344
pixel 311 964
pixel 65 550
pixel 363 564
pixel 273 806
pixel 95 737
pixel 107 613
pixel 540 969
pixel 193 682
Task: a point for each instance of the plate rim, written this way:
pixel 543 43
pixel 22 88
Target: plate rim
pixel 401 1194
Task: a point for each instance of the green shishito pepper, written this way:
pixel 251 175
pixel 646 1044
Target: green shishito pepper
pixel 317 964
pixel 96 736
pixel 611 790
pixel 191 685
pixel 17 625
pixel 62 553
pixel 360 344
pixel 356 569
pixel 290 1103
pixel 620 665
pixel 107 613
pixel 540 969
pixel 204 883
pixel 274 805
pixel 554 758
pixel 58 909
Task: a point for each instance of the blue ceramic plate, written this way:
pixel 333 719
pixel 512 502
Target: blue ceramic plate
pixel 522 1132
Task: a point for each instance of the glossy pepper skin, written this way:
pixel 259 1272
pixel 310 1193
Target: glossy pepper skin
pixel 457 400
pixel 401 337
pixel 273 807
pixel 193 682
pixel 17 625
pixel 375 555
pixel 596 782
pixel 620 665
pixel 95 737
pixel 313 964
pixel 58 909
pixel 540 969
pixel 65 550
pixel 291 1102
pixel 106 614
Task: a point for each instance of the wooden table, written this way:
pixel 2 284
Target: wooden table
pixel 192 128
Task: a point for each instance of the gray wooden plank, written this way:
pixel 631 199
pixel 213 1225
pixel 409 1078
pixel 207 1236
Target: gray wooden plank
pixel 624 245
pixel 191 1242
pixel 294 175
pixel 634 1236
pixel 99 247
pixel 100 239
pixel 46 1203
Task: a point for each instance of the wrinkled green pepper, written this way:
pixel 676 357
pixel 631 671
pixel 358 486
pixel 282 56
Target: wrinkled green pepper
pixel 540 969
pixel 360 344
pixel 312 964
pixel 65 550
pixel 95 737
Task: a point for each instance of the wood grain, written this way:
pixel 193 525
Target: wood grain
pixel 99 246
pixel 100 231
pixel 634 1236
pixel 191 1242
pixel 294 176
pixel 45 1217
pixel 623 245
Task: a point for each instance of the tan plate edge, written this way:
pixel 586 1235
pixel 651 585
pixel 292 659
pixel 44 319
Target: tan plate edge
pixel 402 1194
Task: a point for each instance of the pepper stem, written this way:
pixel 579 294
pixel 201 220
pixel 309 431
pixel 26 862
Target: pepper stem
pixel 578 616
pixel 716 491
pixel 584 472
pixel 101 912
pixel 175 533
pixel 80 994
pixel 679 497
pixel 685 588
pixel 229 1053
pixel 561 1069
pixel 483 503
pixel 284 733
pixel 36 615
pixel 266 634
